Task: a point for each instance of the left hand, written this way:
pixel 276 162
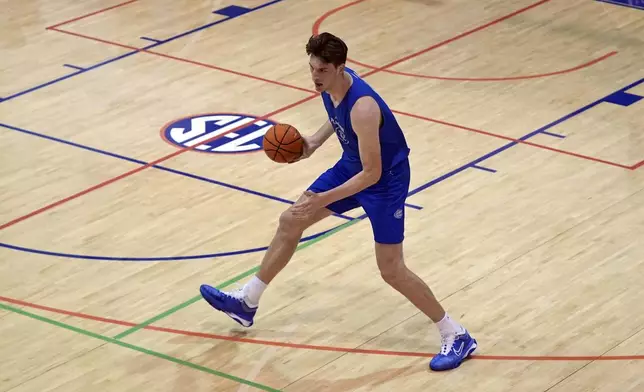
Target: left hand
pixel 308 206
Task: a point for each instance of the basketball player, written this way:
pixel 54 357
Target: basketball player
pixel 373 173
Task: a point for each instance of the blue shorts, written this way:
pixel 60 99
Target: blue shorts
pixel 383 202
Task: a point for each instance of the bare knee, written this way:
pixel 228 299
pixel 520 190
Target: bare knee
pixel 392 269
pixel 391 262
pixel 290 226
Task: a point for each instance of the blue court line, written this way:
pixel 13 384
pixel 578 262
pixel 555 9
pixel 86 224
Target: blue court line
pixel 417 190
pixel 151 39
pixel 483 168
pixel 553 134
pixel 232 11
pixel 72 143
pixel 622 98
pixel 526 137
pixel 197 29
pixel 16 95
pixel 625 4
pixel 587 107
pixel 157 43
pixel 73 67
pixel 139 162
pixel 411 193
pixel 467 165
pixel 162 258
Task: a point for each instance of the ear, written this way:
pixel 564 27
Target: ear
pixel 340 69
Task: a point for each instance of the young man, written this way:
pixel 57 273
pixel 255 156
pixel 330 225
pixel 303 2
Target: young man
pixel 373 173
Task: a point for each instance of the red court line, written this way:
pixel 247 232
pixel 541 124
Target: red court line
pixel 313 92
pixel 589 158
pixel 498 79
pixel 462 35
pixel 140 168
pixel 181 151
pixel 319 347
pixel 184 60
pixel 574 154
pixel 318 23
pixel 284 344
pixel 91 14
pixel 637 165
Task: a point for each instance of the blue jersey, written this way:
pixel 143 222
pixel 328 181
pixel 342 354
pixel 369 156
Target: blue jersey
pixel 393 146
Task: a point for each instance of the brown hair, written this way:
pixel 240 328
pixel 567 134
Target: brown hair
pixel 328 47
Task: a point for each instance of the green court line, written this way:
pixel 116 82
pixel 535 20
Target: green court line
pixel 228 283
pixel 137 348
pixel 181 305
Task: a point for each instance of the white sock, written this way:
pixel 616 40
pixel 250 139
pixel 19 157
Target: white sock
pixel 447 326
pixel 253 291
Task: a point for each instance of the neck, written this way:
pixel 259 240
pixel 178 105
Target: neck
pixel 340 88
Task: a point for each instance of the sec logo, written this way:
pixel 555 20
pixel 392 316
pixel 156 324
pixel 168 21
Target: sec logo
pixel 212 132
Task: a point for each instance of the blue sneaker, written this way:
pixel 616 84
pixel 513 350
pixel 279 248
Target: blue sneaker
pixel 455 349
pixel 232 304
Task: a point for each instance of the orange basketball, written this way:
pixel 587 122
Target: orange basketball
pixel 283 143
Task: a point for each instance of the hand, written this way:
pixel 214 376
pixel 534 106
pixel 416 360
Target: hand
pixel 308 148
pixel 308 205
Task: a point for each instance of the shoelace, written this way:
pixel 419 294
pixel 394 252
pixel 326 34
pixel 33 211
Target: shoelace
pixel 447 342
pixel 237 294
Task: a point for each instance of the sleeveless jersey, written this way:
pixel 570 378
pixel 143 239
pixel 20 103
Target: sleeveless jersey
pixel 393 146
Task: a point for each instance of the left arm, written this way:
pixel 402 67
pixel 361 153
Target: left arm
pixel 365 120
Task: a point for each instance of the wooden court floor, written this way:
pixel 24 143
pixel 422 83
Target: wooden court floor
pixel 130 175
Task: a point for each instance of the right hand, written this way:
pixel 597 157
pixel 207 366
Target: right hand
pixel 308 148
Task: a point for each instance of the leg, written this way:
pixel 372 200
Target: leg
pixel 288 235
pixel 457 344
pixel 241 305
pixel 386 210
pixel 397 275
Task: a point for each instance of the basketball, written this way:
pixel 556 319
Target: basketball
pixel 283 143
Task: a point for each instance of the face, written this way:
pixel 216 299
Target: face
pixel 324 74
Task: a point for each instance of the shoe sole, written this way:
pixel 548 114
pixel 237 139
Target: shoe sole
pixel 243 322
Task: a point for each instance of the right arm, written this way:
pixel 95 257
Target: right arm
pixel 321 136
pixel 313 142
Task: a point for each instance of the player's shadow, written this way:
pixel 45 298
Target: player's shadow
pixel 306 334
pixel 272 375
